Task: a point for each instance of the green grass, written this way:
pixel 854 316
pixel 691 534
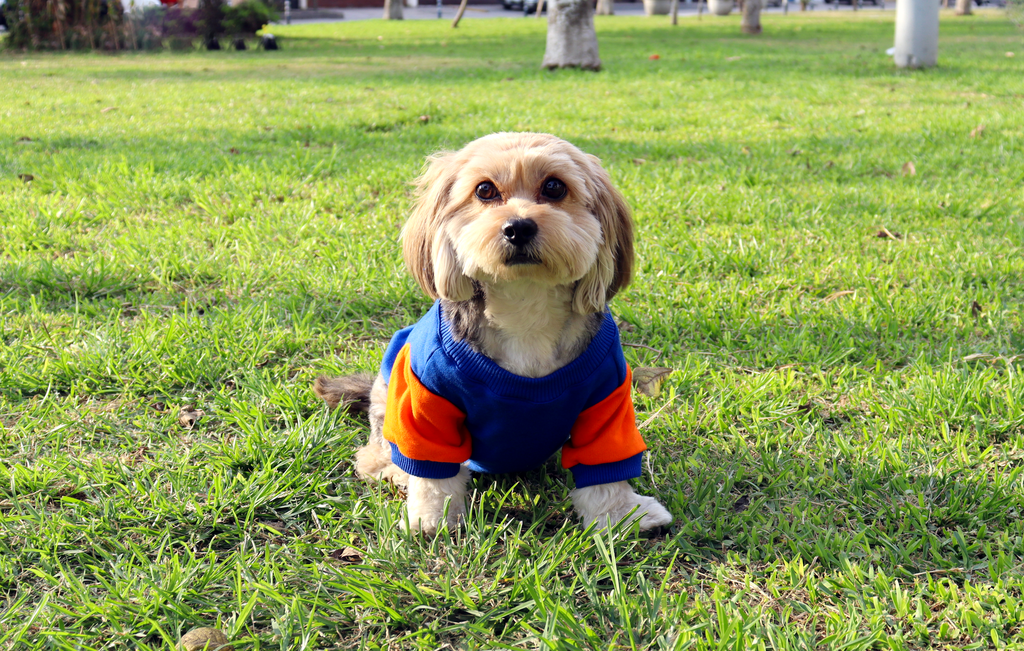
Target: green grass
pixel 841 442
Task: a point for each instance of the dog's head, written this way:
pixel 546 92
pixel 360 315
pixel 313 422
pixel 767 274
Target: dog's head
pixel 519 207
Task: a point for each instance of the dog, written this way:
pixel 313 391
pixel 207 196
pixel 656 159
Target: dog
pixel 522 240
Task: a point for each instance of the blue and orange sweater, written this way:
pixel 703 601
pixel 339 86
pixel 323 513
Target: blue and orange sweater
pixel 448 404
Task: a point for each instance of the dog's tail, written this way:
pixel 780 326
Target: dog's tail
pixel 351 392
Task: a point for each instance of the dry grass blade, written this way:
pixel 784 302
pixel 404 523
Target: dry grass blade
pixel 834 295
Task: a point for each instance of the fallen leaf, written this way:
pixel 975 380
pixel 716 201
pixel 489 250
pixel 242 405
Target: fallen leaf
pixel 976 309
pixel 109 109
pixel 654 57
pixel 737 58
pixel 24 139
pixel 647 380
pixel 1009 55
pixel 204 639
pixel 424 118
pixel 639 161
pixel 908 169
pixel 26 177
pixel 347 555
pixel 741 504
pixel 834 295
pixel 977 131
pixel 233 150
pixel 746 151
pixel 885 233
pixel 188 417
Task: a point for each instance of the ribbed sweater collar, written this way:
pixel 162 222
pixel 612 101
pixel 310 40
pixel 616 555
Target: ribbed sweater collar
pixel 484 371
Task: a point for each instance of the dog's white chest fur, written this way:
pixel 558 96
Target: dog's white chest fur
pixel 531 327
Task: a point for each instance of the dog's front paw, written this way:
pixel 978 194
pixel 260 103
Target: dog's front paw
pixel 651 513
pixel 609 504
pixel 428 504
pixel 428 520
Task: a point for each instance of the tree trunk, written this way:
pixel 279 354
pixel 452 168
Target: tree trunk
pixel 572 42
pixel 675 12
pixel 605 7
pixel 751 22
pixel 458 16
pixel 393 9
pixel 963 7
pixel 917 34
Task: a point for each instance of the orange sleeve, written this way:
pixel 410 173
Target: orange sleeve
pixel 423 425
pixel 605 432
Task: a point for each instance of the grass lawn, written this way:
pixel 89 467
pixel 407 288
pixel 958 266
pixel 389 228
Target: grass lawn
pixel 841 443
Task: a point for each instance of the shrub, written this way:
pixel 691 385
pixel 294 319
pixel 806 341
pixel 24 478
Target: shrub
pixel 211 18
pixel 103 24
pixel 248 17
pixel 66 24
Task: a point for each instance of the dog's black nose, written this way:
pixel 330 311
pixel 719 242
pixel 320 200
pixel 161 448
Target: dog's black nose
pixel 519 232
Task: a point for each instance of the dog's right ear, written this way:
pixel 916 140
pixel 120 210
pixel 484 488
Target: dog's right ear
pixel 429 255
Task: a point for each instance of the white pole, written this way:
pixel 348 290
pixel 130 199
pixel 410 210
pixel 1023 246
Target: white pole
pixel 917 33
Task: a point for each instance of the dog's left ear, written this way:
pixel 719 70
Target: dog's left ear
pixel 613 268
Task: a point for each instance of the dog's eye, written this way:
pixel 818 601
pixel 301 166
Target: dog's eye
pixel 553 189
pixel 487 192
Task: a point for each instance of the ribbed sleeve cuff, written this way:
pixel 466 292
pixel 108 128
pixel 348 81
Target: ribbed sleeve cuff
pixel 425 469
pixel 604 473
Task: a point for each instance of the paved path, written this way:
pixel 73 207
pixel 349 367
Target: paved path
pixel 429 12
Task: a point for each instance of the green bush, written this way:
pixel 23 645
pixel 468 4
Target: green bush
pixel 211 18
pixel 67 25
pixel 247 18
pixel 103 24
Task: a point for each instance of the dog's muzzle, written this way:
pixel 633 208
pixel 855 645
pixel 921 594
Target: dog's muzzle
pixel 520 233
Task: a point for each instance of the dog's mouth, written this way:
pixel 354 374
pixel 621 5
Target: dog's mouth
pixel 521 258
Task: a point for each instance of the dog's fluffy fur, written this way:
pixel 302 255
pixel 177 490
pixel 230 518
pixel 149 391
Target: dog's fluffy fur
pixel 531 318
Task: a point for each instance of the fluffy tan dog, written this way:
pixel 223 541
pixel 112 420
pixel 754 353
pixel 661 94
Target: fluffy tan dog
pixel 522 240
